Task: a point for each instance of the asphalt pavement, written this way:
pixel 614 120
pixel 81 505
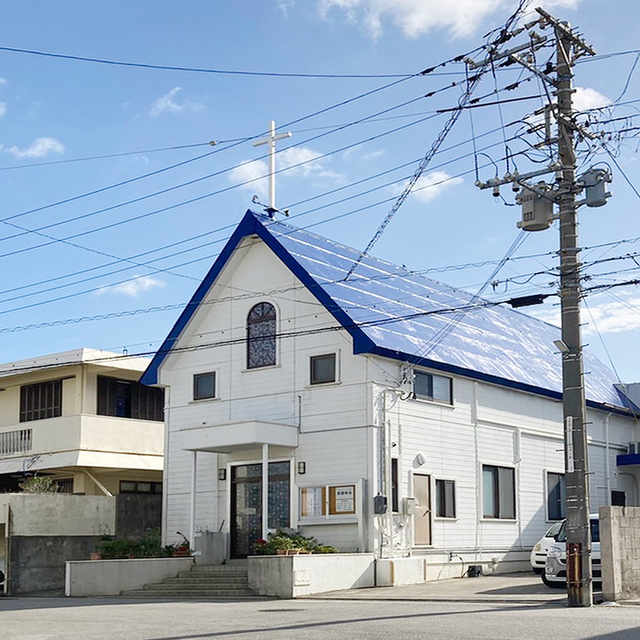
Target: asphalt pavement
pixel 515 606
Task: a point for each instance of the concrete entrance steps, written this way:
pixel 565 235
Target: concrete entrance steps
pixel 202 581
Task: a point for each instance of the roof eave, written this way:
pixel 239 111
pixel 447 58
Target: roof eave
pixel 484 377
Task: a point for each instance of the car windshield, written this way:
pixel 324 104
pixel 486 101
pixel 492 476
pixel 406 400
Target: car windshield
pixel 595 531
pixel 553 529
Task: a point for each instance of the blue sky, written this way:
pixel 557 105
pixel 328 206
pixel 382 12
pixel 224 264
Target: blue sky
pixel 106 263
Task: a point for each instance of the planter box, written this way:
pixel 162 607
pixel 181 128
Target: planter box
pixel 289 576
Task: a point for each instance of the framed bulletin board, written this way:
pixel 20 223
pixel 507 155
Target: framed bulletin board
pixel 313 501
pixel 335 500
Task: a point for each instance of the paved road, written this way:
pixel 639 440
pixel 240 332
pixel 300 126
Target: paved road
pixel 492 608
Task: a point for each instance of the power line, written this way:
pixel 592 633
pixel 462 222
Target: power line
pixel 117 155
pixel 228 72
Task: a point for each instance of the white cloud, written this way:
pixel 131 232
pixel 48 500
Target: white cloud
pixel 252 176
pixel 292 162
pixel 285 5
pixel 134 287
pixel 615 316
pixel 417 17
pixel 38 148
pixel 167 104
pixel 299 161
pixel 587 98
pixel 432 185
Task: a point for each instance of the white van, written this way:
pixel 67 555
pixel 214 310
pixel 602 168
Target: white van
pixel 555 570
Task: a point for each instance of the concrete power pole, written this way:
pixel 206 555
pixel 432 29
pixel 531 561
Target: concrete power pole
pixel 579 583
pixel 538 203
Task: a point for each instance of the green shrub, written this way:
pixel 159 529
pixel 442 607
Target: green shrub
pixel 149 546
pixel 40 484
pixel 287 539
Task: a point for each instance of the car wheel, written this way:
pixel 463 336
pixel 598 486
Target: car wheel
pixel 537 570
pixel 553 585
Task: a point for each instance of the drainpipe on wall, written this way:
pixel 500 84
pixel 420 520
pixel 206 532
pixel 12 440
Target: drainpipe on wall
pixel 474 423
pixel 192 505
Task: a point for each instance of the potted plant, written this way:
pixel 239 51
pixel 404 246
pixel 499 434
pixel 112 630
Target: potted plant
pixel 182 549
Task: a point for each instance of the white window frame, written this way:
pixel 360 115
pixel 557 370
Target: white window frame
pixel 421 398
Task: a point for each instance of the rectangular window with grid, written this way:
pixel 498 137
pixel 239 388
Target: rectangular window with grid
pixel 40 401
pixel 445 499
pixel 498 492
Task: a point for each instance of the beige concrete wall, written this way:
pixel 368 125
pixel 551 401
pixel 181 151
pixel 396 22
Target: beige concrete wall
pixel 293 576
pixel 620 549
pixel 61 514
pixel 110 577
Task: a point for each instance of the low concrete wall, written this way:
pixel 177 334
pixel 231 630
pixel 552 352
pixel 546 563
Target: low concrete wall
pixel 620 552
pixel 36 563
pixel 110 577
pixel 293 576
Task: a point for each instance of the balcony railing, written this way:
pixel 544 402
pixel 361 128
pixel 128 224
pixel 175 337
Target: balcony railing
pixel 12 442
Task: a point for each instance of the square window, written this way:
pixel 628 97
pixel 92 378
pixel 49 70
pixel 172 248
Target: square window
pixel 204 385
pixel 445 499
pixel 323 368
pixel 430 386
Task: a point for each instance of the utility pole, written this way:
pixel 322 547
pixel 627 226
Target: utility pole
pixel 579 581
pixel 537 201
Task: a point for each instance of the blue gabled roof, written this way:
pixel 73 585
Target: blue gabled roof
pixel 393 312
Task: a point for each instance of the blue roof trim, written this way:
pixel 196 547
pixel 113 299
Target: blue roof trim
pixel 359 337
pixel 393 312
pixel 484 377
pixel 248 225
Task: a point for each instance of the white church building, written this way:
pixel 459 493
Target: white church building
pixel 298 398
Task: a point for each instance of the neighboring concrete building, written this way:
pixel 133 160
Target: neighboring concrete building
pixel 379 384
pixel 82 418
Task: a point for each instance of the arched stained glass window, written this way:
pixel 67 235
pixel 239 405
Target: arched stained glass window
pixel 261 336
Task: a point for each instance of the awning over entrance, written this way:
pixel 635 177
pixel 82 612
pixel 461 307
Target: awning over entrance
pixel 225 438
pixel 627 459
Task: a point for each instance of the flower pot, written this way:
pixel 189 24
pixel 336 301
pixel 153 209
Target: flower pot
pixel 95 555
pixel 181 553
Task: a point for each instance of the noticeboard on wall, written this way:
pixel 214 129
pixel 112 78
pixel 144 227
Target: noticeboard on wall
pixel 313 501
pixel 328 501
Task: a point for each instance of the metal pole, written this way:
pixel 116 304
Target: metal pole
pixel 265 491
pixel 579 586
pixel 192 501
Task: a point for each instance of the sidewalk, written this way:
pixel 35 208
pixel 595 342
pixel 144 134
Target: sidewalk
pixel 511 588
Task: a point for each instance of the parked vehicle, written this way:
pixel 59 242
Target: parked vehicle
pixel 538 555
pixel 555 571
